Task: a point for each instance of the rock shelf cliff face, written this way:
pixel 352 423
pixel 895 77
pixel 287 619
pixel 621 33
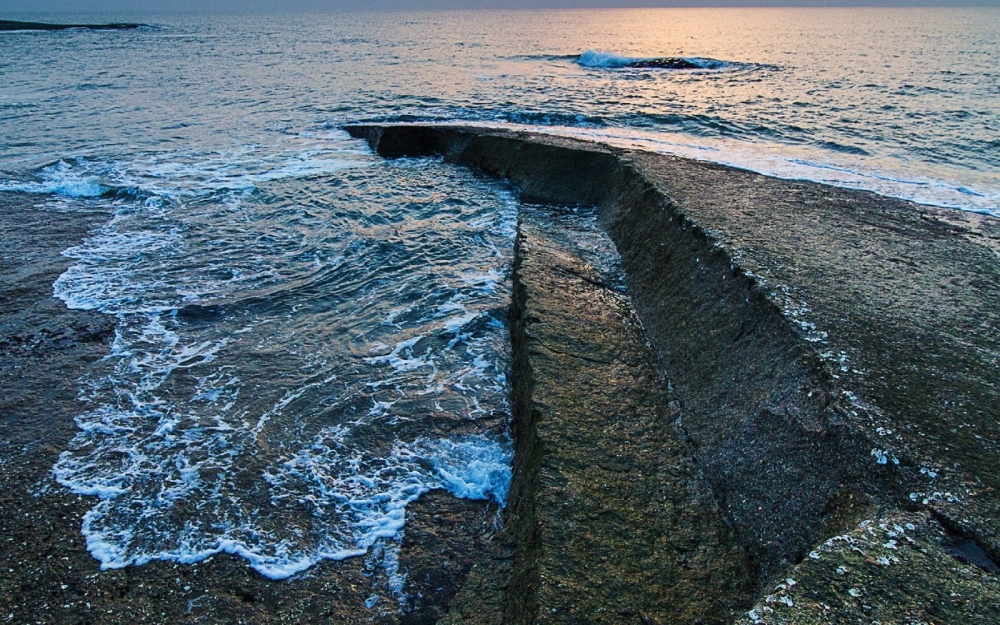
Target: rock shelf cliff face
pixel 49 574
pixel 809 374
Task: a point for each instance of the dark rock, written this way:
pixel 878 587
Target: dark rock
pixel 13 25
pixel 666 63
pixel 894 569
pixel 834 351
pixel 609 513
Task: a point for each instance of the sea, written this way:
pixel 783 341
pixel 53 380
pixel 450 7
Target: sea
pixel 309 337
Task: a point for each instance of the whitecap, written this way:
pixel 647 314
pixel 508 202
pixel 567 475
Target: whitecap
pixel 475 467
pixel 591 58
pixel 60 178
pixel 605 60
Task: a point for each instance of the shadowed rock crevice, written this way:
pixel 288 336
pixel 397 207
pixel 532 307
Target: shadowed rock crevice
pixel 790 338
pixel 610 518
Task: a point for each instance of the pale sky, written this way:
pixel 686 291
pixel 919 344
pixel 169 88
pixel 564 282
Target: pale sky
pixel 8 7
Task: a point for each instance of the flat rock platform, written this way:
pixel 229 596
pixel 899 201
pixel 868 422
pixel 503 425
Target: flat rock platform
pixel 828 364
pixel 762 401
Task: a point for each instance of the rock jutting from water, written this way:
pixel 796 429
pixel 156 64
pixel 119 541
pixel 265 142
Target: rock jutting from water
pixel 820 435
pixel 15 25
pixel 668 63
pixel 735 399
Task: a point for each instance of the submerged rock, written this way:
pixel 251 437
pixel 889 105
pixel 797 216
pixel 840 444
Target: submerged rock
pixel 667 63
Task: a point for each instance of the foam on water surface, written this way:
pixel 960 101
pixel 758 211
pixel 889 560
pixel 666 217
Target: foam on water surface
pixel 607 60
pixel 808 163
pixel 591 58
pixel 60 178
pixel 292 367
pixel 183 175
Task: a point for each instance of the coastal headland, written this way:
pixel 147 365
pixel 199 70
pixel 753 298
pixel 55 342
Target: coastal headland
pixel 788 415
pixel 822 441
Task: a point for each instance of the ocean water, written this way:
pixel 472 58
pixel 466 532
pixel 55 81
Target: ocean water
pixel 294 362
pixel 309 337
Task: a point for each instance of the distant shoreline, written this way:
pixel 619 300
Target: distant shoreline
pixel 7 25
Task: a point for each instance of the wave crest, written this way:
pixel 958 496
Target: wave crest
pixel 605 60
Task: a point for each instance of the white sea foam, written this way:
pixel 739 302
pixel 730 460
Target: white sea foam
pixel 183 174
pixel 98 281
pixel 606 60
pixel 475 467
pixel 237 430
pixel 142 460
pixel 60 178
pixel 486 282
pixel 178 175
pixel 591 58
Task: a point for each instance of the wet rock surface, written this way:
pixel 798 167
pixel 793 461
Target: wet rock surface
pixel 665 63
pixel 48 574
pixel 834 354
pixel 895 569
pixel 900 302
pixel 612 519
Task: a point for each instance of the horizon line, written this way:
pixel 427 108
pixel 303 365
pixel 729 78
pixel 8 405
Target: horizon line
pixel 428 9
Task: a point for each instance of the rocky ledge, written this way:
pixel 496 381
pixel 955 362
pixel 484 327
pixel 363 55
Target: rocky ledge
pixel 790 416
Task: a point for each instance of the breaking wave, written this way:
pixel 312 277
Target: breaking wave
pixel 606 60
